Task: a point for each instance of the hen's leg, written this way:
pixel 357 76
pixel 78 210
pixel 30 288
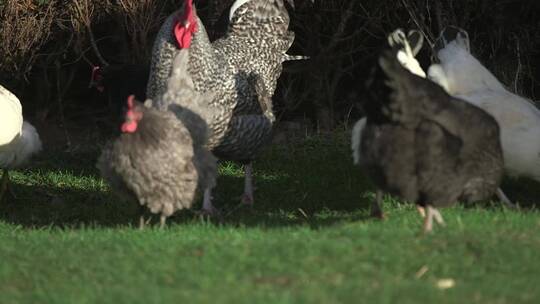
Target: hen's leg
pixel 438 217
pixel 247 197
pixel 162 221
pixel 376 209
pixel 504 199
pixel 428 220
pixel 421 210
pixel 142 220
pixel 432 213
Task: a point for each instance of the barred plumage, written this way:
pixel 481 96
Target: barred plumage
pixel 165 159
pixel 241 69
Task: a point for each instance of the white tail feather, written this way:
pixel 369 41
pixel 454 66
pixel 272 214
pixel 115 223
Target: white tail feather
pixel 356 139
pixel 406 53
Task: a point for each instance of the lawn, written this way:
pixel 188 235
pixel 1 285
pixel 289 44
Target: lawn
pixel 309 239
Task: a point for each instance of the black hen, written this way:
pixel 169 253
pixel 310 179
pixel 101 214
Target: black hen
pixel 423 145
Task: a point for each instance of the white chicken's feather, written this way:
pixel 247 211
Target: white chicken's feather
pixel 460 73
pixel 21 148
pixel 19 140
pixel 10 117
pixel 356 140
pixel 463 76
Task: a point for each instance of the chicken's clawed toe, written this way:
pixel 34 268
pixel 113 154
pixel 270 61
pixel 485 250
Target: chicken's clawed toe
pixel 430 215
pixel 209 214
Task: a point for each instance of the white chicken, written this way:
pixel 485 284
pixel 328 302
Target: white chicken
pixel 19 140
pixel 463 76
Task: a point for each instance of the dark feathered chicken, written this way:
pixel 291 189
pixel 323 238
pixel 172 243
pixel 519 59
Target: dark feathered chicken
pixel 241 69
pixel 161 158
pixel 425 146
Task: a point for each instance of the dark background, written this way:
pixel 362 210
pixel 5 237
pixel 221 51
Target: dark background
pixel 48 48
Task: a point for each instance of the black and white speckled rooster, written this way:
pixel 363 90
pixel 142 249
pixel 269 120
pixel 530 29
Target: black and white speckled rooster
pixel 161 158
pixel 241 69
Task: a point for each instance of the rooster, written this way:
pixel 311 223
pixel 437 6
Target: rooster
pixel 423 145
pixel 242 68
pixel 19 140
pixel 463 76
pixel 161 159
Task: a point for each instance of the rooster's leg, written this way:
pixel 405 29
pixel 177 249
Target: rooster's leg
pixel 208 208
pixel 247 197
pixel 376 209
pixel 4 184
pixel 504 199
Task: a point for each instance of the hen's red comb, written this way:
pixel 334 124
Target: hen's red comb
pixel 131 101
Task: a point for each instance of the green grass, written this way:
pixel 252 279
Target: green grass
pixel 66 239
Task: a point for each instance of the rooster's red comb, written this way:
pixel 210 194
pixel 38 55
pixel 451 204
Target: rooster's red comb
pixel 185 26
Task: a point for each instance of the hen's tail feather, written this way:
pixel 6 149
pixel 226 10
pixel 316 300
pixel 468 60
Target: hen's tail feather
pixel 407 90
pixel 407 47
pixel 410 43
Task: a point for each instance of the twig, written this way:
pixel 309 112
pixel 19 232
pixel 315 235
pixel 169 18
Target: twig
pixel 518 69
pixel 95 48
